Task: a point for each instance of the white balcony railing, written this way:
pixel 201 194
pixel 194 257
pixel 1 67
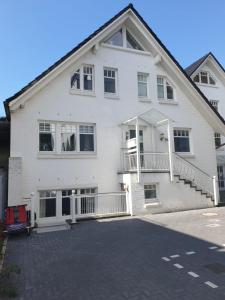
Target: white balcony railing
pixel 148 161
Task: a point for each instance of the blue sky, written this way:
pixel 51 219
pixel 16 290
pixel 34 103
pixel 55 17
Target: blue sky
pixel 34 34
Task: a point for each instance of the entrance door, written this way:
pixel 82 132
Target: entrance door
pixel 131 134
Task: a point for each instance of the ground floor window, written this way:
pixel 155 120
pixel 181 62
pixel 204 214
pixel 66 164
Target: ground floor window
pixel 221 179
pixel 66 199
pixel 150 191
pixel 47 204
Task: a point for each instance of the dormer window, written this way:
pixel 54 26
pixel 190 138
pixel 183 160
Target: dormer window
pixel 123 38
pixel 82 79
pixel 205 78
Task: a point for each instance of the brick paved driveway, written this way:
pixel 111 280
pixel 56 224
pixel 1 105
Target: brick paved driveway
pixel 122 259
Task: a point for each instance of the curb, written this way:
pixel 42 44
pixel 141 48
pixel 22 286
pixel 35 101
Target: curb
pixel 2 254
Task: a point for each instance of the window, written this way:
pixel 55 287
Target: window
pixel 204 77
pixel 217 138
pixel 47 204
pixel 86 138
pixel 131 42
pixel 221 178
pixel 116 39
pixel 110 81
pixel 46 136
pixel 66 195
pixel 142 85
pixel 123 38
pixel 150 191
pixel 164 89
pixel 181 140
pixel 214 103
pixel 68 137
pixel 72 138
pixel 82 79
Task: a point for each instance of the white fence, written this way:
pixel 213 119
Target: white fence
pixel 102 204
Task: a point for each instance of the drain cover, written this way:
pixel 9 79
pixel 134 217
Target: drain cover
pixel 216 268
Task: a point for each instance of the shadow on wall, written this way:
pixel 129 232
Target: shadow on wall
pixel 118 259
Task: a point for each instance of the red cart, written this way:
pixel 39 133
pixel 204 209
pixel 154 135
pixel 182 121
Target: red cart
pixel 17 219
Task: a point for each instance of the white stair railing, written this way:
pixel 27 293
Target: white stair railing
pixel 188 171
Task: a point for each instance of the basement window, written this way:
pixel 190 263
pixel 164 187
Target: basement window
pixel 150 191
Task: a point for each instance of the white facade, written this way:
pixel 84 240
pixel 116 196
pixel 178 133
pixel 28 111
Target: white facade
pixel 52 100
pixel 216 95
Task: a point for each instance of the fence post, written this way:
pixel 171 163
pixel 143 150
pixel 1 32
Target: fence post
pixel 215 191
pixel 73 207
pixel 32 209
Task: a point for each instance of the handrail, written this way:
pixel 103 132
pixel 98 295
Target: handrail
pixel 192 165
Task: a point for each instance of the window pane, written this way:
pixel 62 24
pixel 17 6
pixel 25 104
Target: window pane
pixel 47 207
pixel 86 142
pixel 211 80
pixel 66 206
pixel 150 194
pixel 142 89
pixel 169 91
pixel 75 80
pixel 46 142
pixel 196 78
pixel 181 144
pixel 109 85
pixel 88 79
pixel 160 89
pixel 68 142
pixel 204 77
pixel 131 42
pixel 116 39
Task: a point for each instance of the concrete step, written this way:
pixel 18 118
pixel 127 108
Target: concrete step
pixel 50 227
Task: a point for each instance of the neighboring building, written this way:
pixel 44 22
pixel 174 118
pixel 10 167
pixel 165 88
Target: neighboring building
pixel 117 113
pixel 209 75
pixel 4 158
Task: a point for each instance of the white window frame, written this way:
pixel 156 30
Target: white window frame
pixel 164 84
pixel 108 94
pixel 58 139
pixel 208 74
pixel 190 153
pixel 149 201
pixel 41 198
pixel 53 132
pixel 217 136
pixel 124 41
pixel 81 90
pixel 141 98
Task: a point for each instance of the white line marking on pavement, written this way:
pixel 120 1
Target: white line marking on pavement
pixel 175 255
pixel 213 247
pixel 213 225
pixel 212 285
pixel 193 274
pixel 178 266
pixel 166 258
pixel 220 250
pixel 190 252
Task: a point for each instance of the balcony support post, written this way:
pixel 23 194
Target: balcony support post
pixel 138 151
pixel 170 149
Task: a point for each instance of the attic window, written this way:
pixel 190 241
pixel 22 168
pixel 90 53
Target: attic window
pixel 205 78
pixel 131 42
pixel 116 39
pixel 123 38
pixel 82 79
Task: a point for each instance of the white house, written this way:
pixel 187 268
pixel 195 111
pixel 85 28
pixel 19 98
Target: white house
pixel 115 126
pixel 209 76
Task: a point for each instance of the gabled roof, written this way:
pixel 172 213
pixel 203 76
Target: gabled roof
pixel 74 50
pixel 193 67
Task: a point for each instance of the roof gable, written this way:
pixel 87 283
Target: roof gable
pixel 165 52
